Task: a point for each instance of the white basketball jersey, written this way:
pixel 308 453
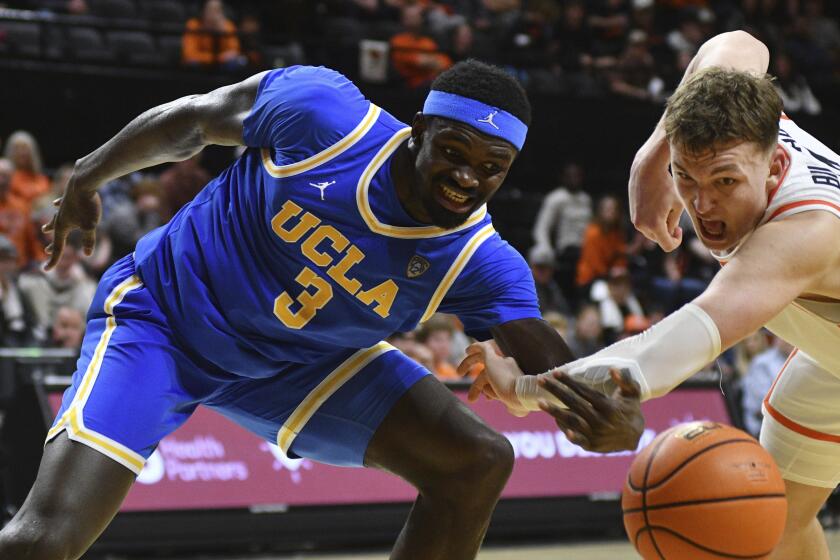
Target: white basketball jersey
pixel 811 183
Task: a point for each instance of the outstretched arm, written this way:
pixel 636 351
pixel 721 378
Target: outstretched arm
pixel 768 273
pixel 655 207
pixel 174 131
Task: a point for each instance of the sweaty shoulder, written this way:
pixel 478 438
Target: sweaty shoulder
pixel 302 110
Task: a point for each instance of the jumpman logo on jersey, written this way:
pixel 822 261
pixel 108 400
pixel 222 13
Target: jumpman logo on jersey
pixel 322 186
pixel 489 120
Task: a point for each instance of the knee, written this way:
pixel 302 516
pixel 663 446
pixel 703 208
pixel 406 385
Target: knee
pixel 493 457
pixel 33 541
pixel 483 466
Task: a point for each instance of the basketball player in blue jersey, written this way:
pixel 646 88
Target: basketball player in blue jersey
pixel 267 298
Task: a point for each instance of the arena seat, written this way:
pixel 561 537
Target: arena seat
pixel 164 11
pixel 24 39
pixel 124 9
pixel 135 47
pixel 86 45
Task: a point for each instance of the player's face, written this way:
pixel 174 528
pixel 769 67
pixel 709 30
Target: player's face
pixel 457 169
pixel 725 191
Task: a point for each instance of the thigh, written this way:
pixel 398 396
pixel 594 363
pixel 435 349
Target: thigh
pixel 133 385
pixel 326 411
pixel 430 434
pixel 801 426
pixel 805 501
pixel 76 494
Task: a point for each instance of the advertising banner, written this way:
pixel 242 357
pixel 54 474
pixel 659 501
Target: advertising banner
pixel 211 462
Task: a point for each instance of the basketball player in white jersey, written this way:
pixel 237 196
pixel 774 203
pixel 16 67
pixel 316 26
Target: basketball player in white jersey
pixel 764 197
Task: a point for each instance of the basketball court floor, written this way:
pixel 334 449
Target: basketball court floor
pixel 607 551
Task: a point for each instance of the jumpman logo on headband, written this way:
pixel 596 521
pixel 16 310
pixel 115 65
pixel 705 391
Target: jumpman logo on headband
pixel 322 186
pixel 489 120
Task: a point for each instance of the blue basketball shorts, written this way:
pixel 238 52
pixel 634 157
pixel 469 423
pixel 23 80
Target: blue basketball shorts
pixel 134 384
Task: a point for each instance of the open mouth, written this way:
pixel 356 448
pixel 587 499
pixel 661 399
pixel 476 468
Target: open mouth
pixel 452 199
pixel 713 230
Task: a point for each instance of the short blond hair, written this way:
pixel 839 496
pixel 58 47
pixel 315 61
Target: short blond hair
pixel 717 107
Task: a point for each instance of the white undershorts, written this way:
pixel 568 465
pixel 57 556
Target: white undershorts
pixel 801 427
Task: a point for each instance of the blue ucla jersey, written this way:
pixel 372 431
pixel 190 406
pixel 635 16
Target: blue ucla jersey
pixel 301 247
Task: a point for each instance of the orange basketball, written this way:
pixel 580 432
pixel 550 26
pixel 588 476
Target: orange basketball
pixel 703 491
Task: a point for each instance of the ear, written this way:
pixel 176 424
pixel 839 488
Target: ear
pixel 779 163
pixel 418 126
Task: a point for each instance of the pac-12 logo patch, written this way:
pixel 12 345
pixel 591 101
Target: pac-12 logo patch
pixel 417 266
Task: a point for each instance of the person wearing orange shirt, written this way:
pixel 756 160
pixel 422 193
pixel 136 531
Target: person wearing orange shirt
pixel 28 181
pixel 436 335
pixel 212 38
pixel 604 243
pixel 14 220
pixel 415 56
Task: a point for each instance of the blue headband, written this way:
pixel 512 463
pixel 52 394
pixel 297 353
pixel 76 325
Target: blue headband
pixel 485 118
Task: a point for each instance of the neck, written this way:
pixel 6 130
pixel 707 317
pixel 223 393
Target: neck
pixel 402 175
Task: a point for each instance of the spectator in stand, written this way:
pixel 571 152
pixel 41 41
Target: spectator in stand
pixel 408 345
pixel 180 183
pixel 561 223
pixel 824 30
pixel 676 278
pixel 66 285
pixel 762 370
pixel 807 54
pixel 250 38
pixel 415 55
pixel 610 20
pixel 14 314
pixel 450 26
pixel 559 321
pixel 587 337
pixel 436 335
pixel 14 221
pixel 134 208
pixel 549 295
pixel 68 329
pixel 573 36
pixel 211 39
pixel 690 34
pixel 60 178
pixel 604 245
pixel 28 181
pixel 793 88
pixel 618 304
pixel 529 39
pixel 634 75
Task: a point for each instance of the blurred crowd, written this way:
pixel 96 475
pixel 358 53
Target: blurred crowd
pixel 635 48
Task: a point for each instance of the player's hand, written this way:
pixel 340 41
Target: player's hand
pixel 497 381
pixel 593 420
pixel 80 209
pixel 655 208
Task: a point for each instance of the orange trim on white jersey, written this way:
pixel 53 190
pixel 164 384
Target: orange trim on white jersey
pixel 787 422
pixel 779 375
pixel 799 428
pixel 798 203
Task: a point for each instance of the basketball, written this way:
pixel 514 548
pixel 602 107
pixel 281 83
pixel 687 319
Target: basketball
pixel 702 491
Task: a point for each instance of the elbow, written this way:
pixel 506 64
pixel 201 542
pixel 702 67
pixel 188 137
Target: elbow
pixel 745 42
pixel 740 50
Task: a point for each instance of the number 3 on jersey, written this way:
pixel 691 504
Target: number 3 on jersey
pixel 310 302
